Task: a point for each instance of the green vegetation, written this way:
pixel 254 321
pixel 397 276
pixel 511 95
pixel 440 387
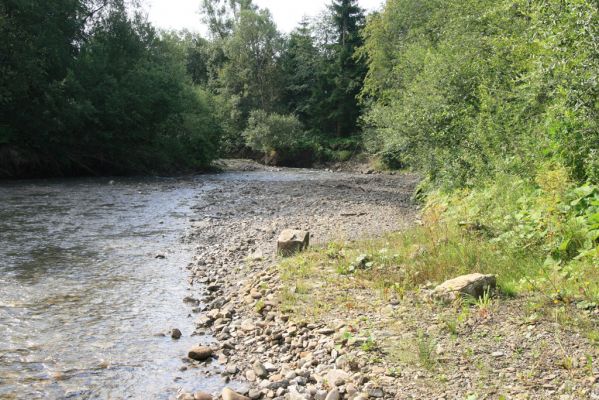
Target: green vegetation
pixel 463 90
pixel 89 87
pixel 293 97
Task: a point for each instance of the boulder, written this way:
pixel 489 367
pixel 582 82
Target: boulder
pixel 473 285
pixel 200 353
pixel 333 395
pixel 292 241
pixel 229 394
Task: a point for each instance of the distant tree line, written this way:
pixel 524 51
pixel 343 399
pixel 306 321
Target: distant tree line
pixel 90 87
pixel 458 89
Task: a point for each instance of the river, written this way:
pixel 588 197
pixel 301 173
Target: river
pixel 83 297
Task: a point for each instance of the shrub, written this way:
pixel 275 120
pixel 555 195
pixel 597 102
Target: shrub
pixel 273 133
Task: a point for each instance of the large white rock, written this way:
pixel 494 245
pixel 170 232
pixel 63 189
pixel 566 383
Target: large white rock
pixel 473 285
pixel 292 241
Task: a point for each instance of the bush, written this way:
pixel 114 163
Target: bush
pixel 465 89
pixel 274 134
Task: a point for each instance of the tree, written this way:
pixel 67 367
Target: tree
pixel 252 68
pixel 89 87
pixel 301 66
pixel 221 16
pixel 347 71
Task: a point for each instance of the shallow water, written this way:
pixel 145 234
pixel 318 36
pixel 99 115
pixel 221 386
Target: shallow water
pixel 82 294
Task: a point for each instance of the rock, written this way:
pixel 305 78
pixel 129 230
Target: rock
pixel 185 396
pixel 292 241
pixel 326 331
pixel 260 370
pixel 333 395
pixel 231 369
pixel 295 395
pixel 337 377
pixel 256 256
pixel 250 375
pixel 346 363
pixel 202 396
pixel 229 394
pixel 320 395
pixel 255 394
pixel 191 300
pixel 204 321
pixel 270 367
pixel 473 285
pixel 176 334
pixel 248 325
pixel 200 353
pixel 374 392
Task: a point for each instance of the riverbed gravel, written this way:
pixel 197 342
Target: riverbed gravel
pixel 232 279
pixel 368 346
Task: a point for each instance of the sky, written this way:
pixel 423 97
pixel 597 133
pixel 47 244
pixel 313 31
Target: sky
pixel 184 14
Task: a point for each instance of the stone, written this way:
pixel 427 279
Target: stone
pixel 260 370
pixel 293 394
pixel 200 353
pixel 176 334
pixel 185 396
pixel 473 285
pixel 250 375
pixel 337 377
pixel 270 367
pixel 231 369
pixel 292 241
pixel 333 395
pixel 320 395
pixel 255 394
pixel 346 363
pixel 374 392
pixel 229 394
pixel 248 325
pixel 204 321
pixel 202 396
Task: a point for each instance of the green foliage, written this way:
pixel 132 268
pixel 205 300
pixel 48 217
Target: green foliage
pixel 106 94
pixel 466 89
pixel 270 133
pixel 552 220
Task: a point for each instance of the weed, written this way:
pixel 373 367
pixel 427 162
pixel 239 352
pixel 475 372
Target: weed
pixel 369 345
pixel 259 307
pixel 426 351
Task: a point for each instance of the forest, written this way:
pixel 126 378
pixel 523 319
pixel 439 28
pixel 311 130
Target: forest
pixel 460 90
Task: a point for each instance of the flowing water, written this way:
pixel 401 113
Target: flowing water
pixel 82 294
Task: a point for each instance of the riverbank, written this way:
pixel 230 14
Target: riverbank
pixel 238 227
pixel 305 328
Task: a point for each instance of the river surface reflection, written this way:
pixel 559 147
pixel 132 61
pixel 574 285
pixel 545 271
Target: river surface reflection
pixel 82 294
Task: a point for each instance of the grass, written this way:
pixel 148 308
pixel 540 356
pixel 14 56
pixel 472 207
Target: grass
pixel 378 287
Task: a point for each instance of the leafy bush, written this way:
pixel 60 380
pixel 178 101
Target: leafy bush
pixel 273 133
pixel 464 89
pixel 551 219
